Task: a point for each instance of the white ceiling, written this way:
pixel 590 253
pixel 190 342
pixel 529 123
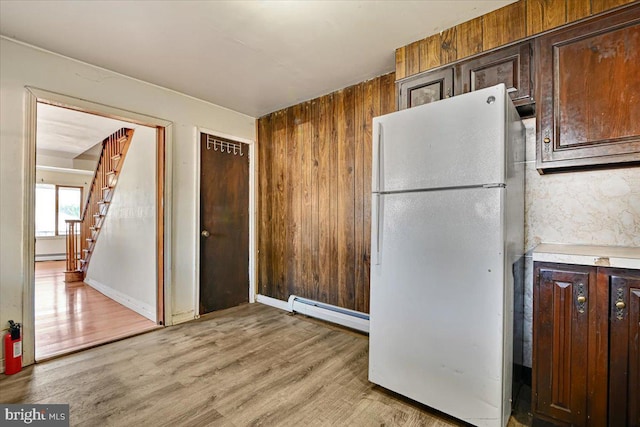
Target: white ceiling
pixel 254 57
pixel 65 133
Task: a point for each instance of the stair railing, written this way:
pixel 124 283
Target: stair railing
pixel 85 231
pixel 73 244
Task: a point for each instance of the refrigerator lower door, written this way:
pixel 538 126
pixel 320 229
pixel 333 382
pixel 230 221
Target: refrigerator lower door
pixel 438 321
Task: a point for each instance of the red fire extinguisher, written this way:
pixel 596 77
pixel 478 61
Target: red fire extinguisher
pixel 13 349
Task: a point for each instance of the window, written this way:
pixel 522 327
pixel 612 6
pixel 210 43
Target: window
pixel 54 205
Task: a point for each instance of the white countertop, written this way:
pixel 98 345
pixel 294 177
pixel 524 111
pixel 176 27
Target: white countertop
pixel 601 256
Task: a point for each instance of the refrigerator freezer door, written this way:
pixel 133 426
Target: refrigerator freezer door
pixel 437 301
pixel 455 142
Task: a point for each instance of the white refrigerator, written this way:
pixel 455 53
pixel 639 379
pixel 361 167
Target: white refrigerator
pixel 447 231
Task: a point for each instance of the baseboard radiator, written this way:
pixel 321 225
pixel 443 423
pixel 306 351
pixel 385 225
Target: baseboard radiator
pixel 330 313
pixel 51 257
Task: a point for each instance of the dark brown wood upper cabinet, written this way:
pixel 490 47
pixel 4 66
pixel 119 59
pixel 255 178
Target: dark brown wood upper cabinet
pixel 426 87
pixel 511 66
pixel 588 93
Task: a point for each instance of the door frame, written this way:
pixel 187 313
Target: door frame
pixel 252 212
pixel 164 131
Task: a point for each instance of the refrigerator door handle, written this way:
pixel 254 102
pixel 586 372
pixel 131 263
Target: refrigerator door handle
pixel 378 158
pixel 378 237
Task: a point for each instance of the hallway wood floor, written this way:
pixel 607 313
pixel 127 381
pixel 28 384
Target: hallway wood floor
pixel 74 316
pixel 249 365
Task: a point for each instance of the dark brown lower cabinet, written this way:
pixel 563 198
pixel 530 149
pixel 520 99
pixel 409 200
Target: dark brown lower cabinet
pixel 624 356
pixel 586 362
pixel 560 342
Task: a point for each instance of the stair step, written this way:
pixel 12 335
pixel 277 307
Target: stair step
pixel 116 157
pixel 107 188
pixel 98 215
pixel 111 173
pixel 103 202
pixel 94 228
pixel 86 251
pixel 90 240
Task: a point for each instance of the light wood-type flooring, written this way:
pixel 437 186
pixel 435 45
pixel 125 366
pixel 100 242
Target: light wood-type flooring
pixel 249 365
pixel 73 316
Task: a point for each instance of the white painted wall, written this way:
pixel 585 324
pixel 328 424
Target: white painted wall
pixel 51 247
pixel 85 164
pixel 123 263
pixel 53 161
pixel 21 66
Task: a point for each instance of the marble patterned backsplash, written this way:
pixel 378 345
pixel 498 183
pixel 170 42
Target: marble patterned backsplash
pixel 599 207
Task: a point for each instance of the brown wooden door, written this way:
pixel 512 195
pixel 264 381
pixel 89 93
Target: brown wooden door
pixel 224 223
pixel 624 353
pixel 560 334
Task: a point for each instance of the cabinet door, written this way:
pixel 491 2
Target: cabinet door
pixel 560 341
pixel 427 87
pixel 624 359
pixel 511 66
pixel 588 93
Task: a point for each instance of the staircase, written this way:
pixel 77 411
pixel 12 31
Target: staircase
pixel 82 234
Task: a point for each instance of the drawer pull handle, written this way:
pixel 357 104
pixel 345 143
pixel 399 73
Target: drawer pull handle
pixel 620 305
pixel 582 299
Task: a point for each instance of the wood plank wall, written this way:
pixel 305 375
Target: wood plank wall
pixel 314 195
pixel 516 21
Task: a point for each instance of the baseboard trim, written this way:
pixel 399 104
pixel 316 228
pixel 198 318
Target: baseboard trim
pixel 186 316
pixel 320 311
pixel 273 302
pixel 51 257
pixel 129 302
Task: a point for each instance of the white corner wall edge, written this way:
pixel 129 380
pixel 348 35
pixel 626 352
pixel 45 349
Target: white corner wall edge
pixel 129 302
pixel 338 315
